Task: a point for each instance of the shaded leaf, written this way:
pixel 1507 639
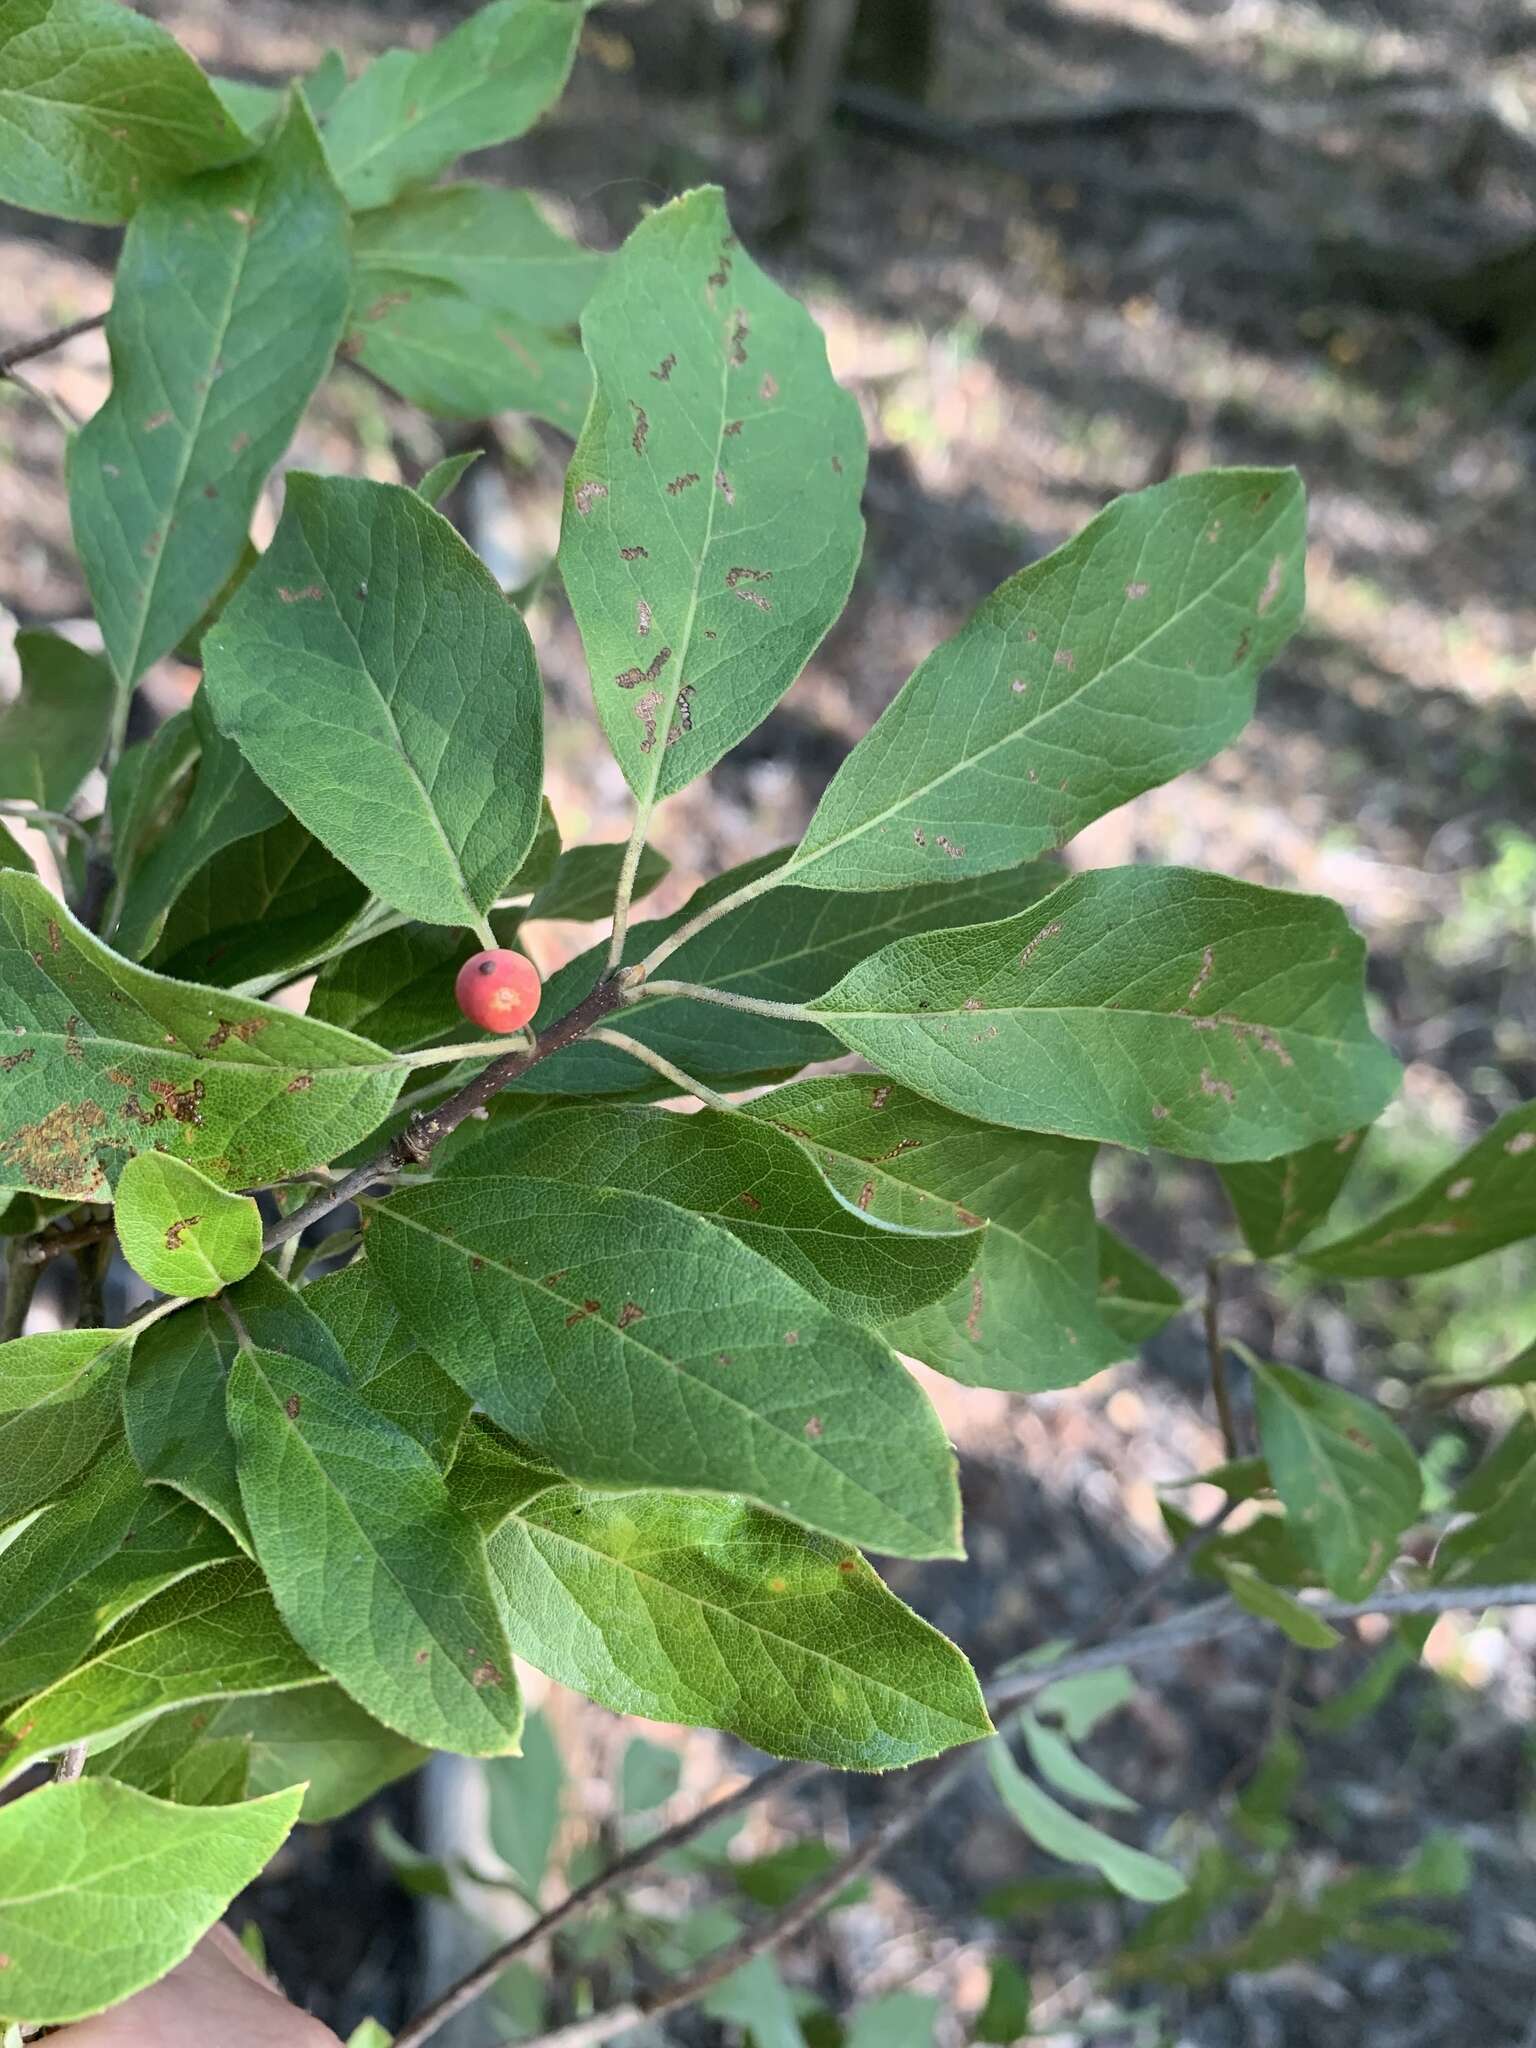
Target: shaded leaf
pixel 1485 1200
pixel 111 1060
pixel 1135 1299
pixel 61 1544
pixel 492 1476
pixel 402 1616
pixel 399 985
pixel 263 906
pixel 1347 1475
pixel 177 1247
pixel 440 479
pixel 756 1181
pixel 212 1633
pixel 525 1804
pixel 398 1380
pixel 755 1997
pixel 1005 2017
pixel 627 1342
pixel 1063 1834
pixel 229 302
pixel 711 526
pixel 409 115
pixel 1272 1603
pixel 901 2019
pixel 101 108
pixel 146 792
pixel 460 360
pixel 1060 1765
pixel 1278 1202
pixel 1127 656
pixel 492 245
pixel 649 1775
pixel 53 731
pixel 103 1889
pixel 1025 1315
pixel 173 1411
pixel 713 1613
pixel 398 718
pixel 1139 1006
pixel 586 880
pixel 58 1404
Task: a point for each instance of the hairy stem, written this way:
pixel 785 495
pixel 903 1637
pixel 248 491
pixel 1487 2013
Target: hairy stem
pixel 622 1042
pixel 451 1055
pixel 33 814
pixel 698 992
pixel 37 1251
pixel 626 890
pixel 747 893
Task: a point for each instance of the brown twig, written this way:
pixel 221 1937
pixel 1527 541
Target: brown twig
pixel 416 1142
pixel 1216 1352
pixel 24 351
pixel 21 1278
pixel 37 1251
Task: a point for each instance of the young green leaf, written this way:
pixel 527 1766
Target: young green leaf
pixel 408 115
pixel 228 804
pixel 525 1804
pixel 1138 1006
pixel 58 1403
pixel 212 1633
pixel 1278 1202
pixel 262 906
pixel 760 1184
pixel 649 1775
pixel 397 1378
pixel 403 1616
pixel 1348 1477
pixel 376 678
pixel 181 1232
pixel 109 1060
pixel 783 948
pixel 492 1474
pixel 711 525
pixel 713 1613
pixel 1135 1299
pixel 316 1735
pixel 1485 1200
pixel 1273 1603
pixel 627 1342
pixel 100 108
pixel 1063 1834
pixel 229 303
pixel 492 245
pixel 440 479
pixel 586 879
pixel 1127 656
pixel 53 731
pixel 1025 1316
pixel 103 1889
pixel 460 360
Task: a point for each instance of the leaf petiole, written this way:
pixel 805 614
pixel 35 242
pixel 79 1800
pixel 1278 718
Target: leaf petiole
pixel 699 993
pixel 622 1042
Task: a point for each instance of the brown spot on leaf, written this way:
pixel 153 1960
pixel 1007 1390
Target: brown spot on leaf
pixel 157 420
pixel 178 1231
pixel 586 495
pixel 881 1096
pixel 629 1314
pixel 954 852
pixel 724 486
pixel 1460 1189
pixel 837 465
pixel 749 1201
pixel 866 1194
pixel 1212 1084
pixel 769 387
pixel 646 711
pixel 1522 1141
pixel 55 938
pixel 636 554
pixel 310 594
pixel 1159 1111
pixel 631 678
pixel 299 1083
pixel 16 1059
pixel 813 1426
pixel 1347 1143
pixel 1049 931
pixel 1135 592
pixel 579 1315
pixel 682 483
pixel 732 428
pixel 422 1656
pixel 55 1153
pixel 978 1303
pixel 225 1030
pixel 663 370
pixel 740 330
pixel 484 1673
pixel 239 444
pixel 240 216
pixel 919 836
pixel 791 1336
pixel 642 428
pixel 385 304
pixel 642 617
pixel 180 1103
pixel 1207 965
pixel 291 1407
pixel 683 722
pixel 1240 651
pixel 846 1565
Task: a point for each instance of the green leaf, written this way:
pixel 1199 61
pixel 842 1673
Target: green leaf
pixel 403 1616
pixel 228 804
pixel 492 245
pixel 263 906
pixel 440 479
pixel 627 1342
pixel 1135 1299
pixel 58 1403
pixel 786 947
pixel 1273 1603
pixel 1025 1316
pixel 711 527
pixel 147 791
pixel 346 669
pixel 101 108
pixel 1116 663
pixel 316 1735
pixel 1138 1006
pixel 649 1775
pixel 901 2019
pixel 1063 1834
pixel 399 986
pixel 53 732
pixel 173 1411
pixel 176 1247
pixel 756 1998
pixel 460 360
pixel 1347 1475
pixel 112 1060
pixel 1498 1544
pixel 491 1475
pixel 525 1804
pixel 755 1181
pixel 398 1380
pixel 409 116
pixel 1278 1202
pixel 1485 1200
pixel 212 1633
pixel 586 880
pixel 1060 1765
pixel 169 1540
pixel 1078 1705
pixel 710 1612
pixel 229 303
pixel 61 1544
pixel 781 1875
pixel 103 1889
pixel 1005 2018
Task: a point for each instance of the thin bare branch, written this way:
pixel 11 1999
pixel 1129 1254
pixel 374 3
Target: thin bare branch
pixel 1216 1352
pixel 40 345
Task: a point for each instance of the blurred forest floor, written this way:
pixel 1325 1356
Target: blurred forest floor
pixel 1209 270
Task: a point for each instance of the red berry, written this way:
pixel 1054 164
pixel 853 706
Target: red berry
pixel 498 990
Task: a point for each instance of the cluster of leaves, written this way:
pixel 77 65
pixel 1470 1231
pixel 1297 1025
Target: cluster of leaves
pixel 600 1386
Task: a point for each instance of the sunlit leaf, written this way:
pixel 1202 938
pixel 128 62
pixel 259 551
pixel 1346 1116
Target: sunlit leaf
pixel 58 1403
pixel 1135 1299
pixel 1278 1202
pixel 492 245
pixel 177 1247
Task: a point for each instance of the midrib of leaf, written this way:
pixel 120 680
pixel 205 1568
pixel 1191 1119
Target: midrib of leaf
pixel 727 1614
pixel 200 410
pixel 97 1875
pixel 429 112
pixel 628 1338
pixel 1058 1010
pixel 1030 730
pixel 54 1039
pixel 297 1437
